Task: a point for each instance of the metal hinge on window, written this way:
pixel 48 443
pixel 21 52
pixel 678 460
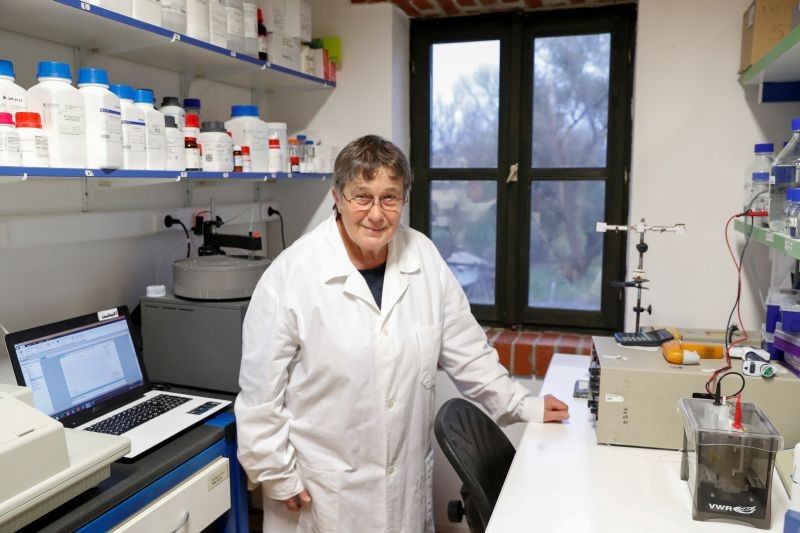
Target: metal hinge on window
pixel 512 173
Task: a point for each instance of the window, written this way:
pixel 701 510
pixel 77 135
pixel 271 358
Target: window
pixel 521 135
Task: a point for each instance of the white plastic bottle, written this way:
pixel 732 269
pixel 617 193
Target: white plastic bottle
pixel 176 151
pixel 147 11
pixel 250 21
pixel 63 114
pixel 277 130
pixel 9 142
pixel 218 23
pixel 155 139
pixel 173 15
pixel 171 107
pixel 235 17
pixel 32 140
pixel 134 130
pixel 197 19
pixel 103 120
pixel 216 147
pixel 12 96
pixel 247 129
pixel 757 175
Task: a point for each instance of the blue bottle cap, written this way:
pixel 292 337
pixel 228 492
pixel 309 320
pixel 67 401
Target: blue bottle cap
pixel 244 111
pixel 191 102
pixel 95 76
pixel 796 124
pixel 793 195
pixel 144 96
pixel 764 148
pixel 53 69
pixel 124 92
pixel 7 69
pixel 309 142
pixel 301 139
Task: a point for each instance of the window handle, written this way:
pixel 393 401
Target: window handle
pixel 512 173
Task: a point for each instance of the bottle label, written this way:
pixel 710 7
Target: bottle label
pixel 155 137
pixel 237 160
pixel 110 125
pixel 193 160
pixel 34 147
pixel 134 136
pixel 9 144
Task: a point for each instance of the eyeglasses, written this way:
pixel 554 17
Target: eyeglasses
pixel 364 202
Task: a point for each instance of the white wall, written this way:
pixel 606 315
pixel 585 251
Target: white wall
pixel 693 135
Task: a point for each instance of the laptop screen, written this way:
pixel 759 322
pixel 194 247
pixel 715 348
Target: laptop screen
pixel 75 370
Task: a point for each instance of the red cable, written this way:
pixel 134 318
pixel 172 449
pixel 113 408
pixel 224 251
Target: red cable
pixel 738 306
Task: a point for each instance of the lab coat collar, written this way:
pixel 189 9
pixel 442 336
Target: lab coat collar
pixel 402 260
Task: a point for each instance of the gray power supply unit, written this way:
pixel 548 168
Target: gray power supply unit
pixel 195 344
pixel 635 394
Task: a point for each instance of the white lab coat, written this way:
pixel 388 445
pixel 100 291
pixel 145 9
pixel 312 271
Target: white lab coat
pixel 338 396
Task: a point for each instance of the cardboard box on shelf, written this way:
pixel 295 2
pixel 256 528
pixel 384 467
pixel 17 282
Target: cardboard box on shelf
pixel 274 12
pixel 764 24
pixel 284 50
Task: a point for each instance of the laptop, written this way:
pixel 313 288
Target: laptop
pixel 87 373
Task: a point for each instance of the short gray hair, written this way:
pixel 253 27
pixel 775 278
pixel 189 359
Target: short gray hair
pixel 365 156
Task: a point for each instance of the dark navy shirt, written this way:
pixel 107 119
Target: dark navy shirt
pixel 374 279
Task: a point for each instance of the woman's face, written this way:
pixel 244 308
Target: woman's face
pixel 372 228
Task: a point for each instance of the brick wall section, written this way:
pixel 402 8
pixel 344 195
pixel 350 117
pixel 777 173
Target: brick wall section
pixel 528 353
pixel 445 8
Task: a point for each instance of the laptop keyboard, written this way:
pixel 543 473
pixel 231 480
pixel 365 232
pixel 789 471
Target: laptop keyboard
pixel 138 414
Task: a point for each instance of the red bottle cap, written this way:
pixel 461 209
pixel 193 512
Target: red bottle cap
pixel 274 143
pixel 192 120
pixel 245 150
pixel 28 120
pixel 6 118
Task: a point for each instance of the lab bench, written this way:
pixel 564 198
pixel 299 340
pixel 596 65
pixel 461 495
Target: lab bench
pixel 191 481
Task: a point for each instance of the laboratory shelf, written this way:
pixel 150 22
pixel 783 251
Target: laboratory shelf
pixel 97 30
pixel 779 64
pixel 17 174
pixel 778 241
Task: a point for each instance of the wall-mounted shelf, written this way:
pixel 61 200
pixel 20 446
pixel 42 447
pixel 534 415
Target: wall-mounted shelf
pixel 778 241
pixel 143 177
pixel 94 29
pixel 781 64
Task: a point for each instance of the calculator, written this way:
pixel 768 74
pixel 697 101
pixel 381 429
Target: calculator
pixel 644 338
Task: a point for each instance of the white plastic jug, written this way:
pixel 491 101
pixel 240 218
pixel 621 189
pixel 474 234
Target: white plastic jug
pixel 103 120
pixel 12 96
pixel 63 114
pixel 134 130
pixel 156 137
pixel 247 129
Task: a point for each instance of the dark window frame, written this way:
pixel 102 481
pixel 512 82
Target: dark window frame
pixel 516 33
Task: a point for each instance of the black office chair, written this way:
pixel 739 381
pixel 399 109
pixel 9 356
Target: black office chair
pixel 481 456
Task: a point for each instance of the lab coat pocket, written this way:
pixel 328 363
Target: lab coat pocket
pixel 429 339
pixel 322 516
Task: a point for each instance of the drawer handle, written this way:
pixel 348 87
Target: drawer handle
pixel 183 522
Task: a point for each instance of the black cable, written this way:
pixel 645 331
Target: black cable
pixel 718 393
pixel 169 221
pixel 188 239
pixel 271 211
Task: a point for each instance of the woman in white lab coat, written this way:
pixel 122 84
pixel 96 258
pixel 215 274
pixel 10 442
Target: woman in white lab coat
pixel 340 347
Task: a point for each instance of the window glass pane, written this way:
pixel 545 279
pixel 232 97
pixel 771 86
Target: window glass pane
pixel 464 229
pixel 465 89
pixel 566 253
pixel 570 101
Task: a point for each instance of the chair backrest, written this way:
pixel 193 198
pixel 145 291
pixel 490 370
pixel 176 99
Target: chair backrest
pixel 480 454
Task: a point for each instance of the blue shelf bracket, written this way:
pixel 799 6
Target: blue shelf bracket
pixel 773 92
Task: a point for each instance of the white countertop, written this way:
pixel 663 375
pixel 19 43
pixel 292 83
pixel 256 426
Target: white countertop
pixel 561 480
